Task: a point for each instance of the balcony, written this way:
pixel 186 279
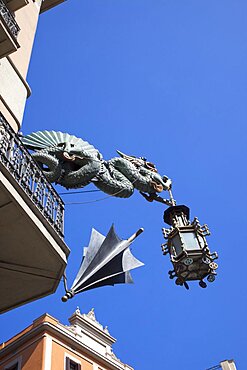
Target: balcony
pixel 33 255
pixel 14 5
pixel 48 4
pixel 9 30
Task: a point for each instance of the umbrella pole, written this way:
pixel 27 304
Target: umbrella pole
pixel 65 282
pixel 134 236
pixel 69 292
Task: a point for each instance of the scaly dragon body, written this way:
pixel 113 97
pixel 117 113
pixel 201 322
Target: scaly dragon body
pixel 73 163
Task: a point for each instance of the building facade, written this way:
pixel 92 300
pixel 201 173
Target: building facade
pixel 33 254
pixel 18 23
pixel 49 345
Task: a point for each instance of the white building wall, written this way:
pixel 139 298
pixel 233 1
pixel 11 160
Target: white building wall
pixel 13 92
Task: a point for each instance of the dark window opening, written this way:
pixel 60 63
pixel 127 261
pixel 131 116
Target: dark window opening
pixel 72 365
pixel 13 367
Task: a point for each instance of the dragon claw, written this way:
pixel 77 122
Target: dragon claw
pixel 148 197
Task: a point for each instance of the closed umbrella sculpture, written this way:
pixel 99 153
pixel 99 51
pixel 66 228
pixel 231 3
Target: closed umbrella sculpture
pixel 106 261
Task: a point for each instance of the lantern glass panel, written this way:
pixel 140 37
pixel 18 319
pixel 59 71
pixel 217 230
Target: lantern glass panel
pixel 177 244
pixel 201 241
pixel 190 240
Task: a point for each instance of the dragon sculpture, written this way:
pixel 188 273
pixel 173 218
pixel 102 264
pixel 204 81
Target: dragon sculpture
pixel 74 163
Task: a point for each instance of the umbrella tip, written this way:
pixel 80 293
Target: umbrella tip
pixel 139 231
pixel 134 236
pixel 68 295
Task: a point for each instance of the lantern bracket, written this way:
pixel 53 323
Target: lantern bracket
pixel 205 230
pixel 164 248
pixel 166 232
pixel 172 274
pixel 214 256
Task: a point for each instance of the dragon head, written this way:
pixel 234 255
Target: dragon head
pixel 159 182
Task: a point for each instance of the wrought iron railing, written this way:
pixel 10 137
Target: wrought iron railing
pixel 9 19
pixel 20 164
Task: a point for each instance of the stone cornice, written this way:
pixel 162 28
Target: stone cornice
pixel 68 338
pixel 92 327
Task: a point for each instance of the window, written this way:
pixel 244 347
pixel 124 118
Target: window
pixel 72 365
pixel 13 367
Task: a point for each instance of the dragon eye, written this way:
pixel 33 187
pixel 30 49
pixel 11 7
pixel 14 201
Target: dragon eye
pixel 151 166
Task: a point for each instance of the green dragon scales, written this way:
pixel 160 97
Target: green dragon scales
pixel 74 163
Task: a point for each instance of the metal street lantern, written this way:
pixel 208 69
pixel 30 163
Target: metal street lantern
pixel 187 246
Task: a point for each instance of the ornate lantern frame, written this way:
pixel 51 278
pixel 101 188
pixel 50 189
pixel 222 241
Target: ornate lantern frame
pixel 188 249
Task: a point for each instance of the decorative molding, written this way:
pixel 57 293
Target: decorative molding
pixel 92 317
pixel 77 311
pixel 48 352
pixel 113 356
pixel 106 330
pixel 88 324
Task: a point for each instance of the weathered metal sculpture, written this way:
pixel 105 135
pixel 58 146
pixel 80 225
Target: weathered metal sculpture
pixel 106 261
pixel 74 163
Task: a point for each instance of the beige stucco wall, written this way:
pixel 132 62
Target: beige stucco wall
pixel 14 89
pixel 27 19
pixel 30 356
pixel 59 352
pixel 13 92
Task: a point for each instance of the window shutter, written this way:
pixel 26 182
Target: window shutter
pixel 67 363
pixel 71 364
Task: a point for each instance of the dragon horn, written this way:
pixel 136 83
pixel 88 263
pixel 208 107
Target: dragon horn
pixel 124 155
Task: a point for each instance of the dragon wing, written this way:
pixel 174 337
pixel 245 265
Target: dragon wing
pixel 46 139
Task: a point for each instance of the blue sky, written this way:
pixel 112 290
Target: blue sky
pixel 165 80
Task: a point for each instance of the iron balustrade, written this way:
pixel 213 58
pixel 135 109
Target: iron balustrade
pixel 9 19
pixel 20 164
